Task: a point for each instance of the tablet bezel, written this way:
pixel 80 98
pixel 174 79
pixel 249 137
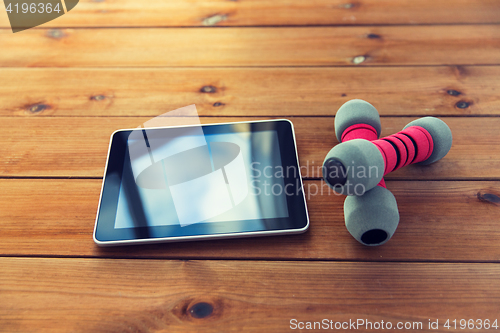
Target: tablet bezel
pixel 296 222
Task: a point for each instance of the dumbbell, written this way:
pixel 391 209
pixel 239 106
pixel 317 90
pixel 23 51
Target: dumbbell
pixel 358 165
pixel 372 216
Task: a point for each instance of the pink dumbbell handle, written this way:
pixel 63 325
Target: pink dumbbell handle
pixel 412 145
pixel 360 131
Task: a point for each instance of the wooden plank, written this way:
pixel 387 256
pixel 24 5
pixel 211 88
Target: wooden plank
pixel 77 147
pixel 419 91
pixel 440 221
pixel 300 46
pixel 157 13
pixel 66 295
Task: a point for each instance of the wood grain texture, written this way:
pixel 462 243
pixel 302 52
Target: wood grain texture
pixel 66 86
pixel 77 147
pixel 440 221
pixel 249 91
pixel 157 13
pixel 83 295
pixel 300 46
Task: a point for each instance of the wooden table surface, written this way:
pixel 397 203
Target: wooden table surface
pixel 67 85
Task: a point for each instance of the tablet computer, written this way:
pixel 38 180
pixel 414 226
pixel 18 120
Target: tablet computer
pixel 199 182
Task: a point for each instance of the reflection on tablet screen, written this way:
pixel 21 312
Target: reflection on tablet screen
pixel 195 178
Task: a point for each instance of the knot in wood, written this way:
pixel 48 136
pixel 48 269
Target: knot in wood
pixel 201 310
pixel 462 105
pixel 208 89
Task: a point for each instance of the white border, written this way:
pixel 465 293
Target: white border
pixel 201 237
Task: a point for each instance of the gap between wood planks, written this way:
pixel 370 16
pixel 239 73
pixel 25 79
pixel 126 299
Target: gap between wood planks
pixel 256 259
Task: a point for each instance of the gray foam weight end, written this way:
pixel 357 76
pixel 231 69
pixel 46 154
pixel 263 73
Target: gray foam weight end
pixel 441 136
pixel 364 166
pixel 372 218
pixel 356 111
